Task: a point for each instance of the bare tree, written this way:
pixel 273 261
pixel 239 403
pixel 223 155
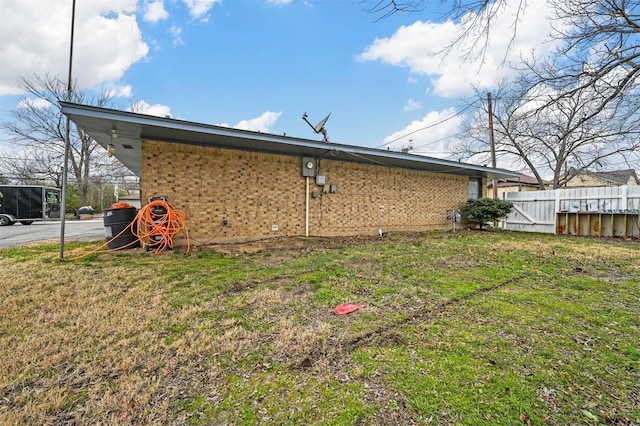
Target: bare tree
pixel 37 123
pixel 601 34
pixel 599 39
pixel 579 107
pixel 600 45
pixel 580 132
pixel 476 16
pixel 33 167
pixel 109 170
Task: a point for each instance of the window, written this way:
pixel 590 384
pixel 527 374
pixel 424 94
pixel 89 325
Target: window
pixel 475 188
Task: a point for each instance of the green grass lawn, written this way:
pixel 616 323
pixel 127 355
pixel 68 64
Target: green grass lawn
pixel 491 328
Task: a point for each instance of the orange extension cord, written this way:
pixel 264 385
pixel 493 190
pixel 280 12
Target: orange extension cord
pixel 150 229
pixel 158 230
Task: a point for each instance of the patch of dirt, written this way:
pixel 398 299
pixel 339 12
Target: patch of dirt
pixel 298 244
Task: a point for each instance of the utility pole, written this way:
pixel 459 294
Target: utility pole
pixel 493 146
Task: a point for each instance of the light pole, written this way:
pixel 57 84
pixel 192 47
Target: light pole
pixel 63 202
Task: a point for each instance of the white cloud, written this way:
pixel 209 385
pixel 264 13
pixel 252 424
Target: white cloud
pixel 35 103
pixel 35 40
pixel 176 34
pixel 122 91
pixel 199 8
pixel 155 11
pixel 259 124
pixel 155 44
pixel 157 110
pixel 412 105
pixel 415 47
pixel 428 136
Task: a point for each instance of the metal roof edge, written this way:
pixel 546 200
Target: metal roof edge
pixel 169 122
pixel 115 116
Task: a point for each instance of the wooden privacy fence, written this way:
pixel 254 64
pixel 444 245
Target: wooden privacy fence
pixel 612 211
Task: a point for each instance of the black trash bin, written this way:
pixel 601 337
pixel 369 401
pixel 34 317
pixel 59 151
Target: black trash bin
pixel 115 222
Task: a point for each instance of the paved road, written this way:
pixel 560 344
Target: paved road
pixel 39 232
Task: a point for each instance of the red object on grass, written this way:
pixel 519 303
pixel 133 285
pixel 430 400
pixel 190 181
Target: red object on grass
pixel 346 308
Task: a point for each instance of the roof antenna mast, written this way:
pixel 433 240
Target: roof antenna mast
pixel 318 128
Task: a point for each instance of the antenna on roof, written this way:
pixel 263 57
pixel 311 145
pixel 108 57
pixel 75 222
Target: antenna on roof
pixel 318 128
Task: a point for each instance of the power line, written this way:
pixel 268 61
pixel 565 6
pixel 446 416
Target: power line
pixel 444 120
pixel 438 140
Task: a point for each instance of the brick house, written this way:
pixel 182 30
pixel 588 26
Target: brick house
pixel 241 185
pixel 517 184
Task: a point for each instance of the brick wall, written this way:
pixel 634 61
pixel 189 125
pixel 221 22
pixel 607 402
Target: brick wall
pixel 255 191
pixel 372 197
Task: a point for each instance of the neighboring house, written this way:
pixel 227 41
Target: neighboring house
pixel 595 179
pixel 515 184
pixel 133 199
pixel 236 184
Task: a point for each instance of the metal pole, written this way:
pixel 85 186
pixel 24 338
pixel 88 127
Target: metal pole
pixel 63 202
pixel 306 211
pixel 493 147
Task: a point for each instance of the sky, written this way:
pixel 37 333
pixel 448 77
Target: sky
pixel 261 64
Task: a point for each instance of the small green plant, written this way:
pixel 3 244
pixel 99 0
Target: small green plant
pixel 482 210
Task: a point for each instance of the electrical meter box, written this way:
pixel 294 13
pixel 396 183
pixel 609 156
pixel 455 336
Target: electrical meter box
pixel 308 166
pixel 453 216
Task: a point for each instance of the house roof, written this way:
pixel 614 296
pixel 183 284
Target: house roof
pixel 518 181
pixel 126 130
pixel 614 177
pixel 620 177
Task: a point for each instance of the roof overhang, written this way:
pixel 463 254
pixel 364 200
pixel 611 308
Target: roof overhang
pixel 126 130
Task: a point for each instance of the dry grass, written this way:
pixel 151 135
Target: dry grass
pixel 244 334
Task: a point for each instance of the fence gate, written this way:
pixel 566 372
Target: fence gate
pixel 533 211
